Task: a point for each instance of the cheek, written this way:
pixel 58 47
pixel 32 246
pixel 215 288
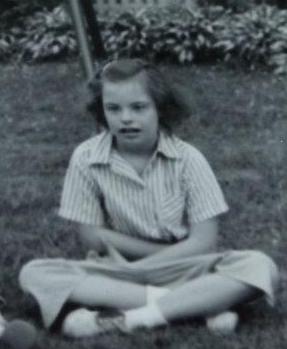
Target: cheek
pixel 111 121
pixel 155 119
pixel 110 127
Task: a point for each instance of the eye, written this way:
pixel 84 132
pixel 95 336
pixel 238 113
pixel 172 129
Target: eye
pixel 113 108
pixel 139 106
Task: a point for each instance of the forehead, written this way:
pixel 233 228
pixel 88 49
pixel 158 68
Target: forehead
pixel 133 88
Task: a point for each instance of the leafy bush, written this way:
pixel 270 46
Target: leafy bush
pixel 7 5
pixel 186 41
pixel 256 36
pixel 6 44
pixel 14 12
pixel 241 5
pixel 234 5
pixel 176 36
pixel 126 35
pixel 48 34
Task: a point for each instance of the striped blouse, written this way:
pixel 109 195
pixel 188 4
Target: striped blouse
pixel 176 189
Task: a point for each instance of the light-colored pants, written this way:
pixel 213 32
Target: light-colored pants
pixel 51 281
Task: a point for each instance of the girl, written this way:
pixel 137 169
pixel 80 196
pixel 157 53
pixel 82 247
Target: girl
pixel 146 203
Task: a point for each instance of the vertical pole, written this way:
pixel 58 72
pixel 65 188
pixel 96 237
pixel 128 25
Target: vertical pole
pixel 94 29
pixel 81 32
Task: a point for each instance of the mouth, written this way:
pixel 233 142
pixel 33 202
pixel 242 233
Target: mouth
pixel 130 131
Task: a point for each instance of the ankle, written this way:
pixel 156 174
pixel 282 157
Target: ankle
pixel 148 316
pixel 3 323
pixel 2 330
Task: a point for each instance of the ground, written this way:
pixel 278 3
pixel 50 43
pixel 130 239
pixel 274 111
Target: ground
pixel 238 120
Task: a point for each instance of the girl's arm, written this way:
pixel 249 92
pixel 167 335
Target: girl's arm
pixel 202 239
pixel 97 238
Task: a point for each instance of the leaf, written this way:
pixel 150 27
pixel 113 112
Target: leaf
pixel 278 46
pixel 190 56
pixel 182 56
pixel 177 48
pixel 56 49
pixel 4 44
pixel 226 45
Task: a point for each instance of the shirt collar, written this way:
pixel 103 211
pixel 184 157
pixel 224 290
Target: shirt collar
pixel 101 153
pixel 167 146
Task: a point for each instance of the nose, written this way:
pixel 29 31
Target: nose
pixel 126 116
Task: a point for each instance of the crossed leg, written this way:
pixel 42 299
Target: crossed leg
pixel 100 290
pixel 205 296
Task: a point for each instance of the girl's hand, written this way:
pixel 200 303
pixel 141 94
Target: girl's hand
pixel 105 259
pixel 139 263
pixel 111 256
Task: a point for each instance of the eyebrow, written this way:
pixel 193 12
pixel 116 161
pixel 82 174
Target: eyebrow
pixel 140 101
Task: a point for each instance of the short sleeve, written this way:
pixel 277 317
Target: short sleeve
pixel 81 199
pixel 204 197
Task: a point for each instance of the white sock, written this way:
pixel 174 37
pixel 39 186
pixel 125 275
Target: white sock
pixel 2 325
pixel 153 293
pixel 148 316
pixel 2 329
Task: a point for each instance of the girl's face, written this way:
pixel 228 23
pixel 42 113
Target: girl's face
pixel 131 114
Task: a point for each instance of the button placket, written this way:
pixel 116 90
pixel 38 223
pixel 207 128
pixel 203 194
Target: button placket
pixel 154 205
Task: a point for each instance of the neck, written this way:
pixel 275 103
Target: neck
pixel 146 150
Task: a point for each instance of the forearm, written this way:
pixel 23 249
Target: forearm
pixel 202 240
pixel 98 238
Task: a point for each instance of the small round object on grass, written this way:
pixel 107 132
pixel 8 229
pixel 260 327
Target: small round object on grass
pixel 19 334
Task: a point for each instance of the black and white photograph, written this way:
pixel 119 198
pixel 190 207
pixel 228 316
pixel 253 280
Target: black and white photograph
pixel 143 187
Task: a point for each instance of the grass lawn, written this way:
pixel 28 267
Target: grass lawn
pixel 239 121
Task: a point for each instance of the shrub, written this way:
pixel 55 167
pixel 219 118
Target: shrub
pixel 241 5
pixel 125 36
pixel 14 12
pixel 256 36
pixel 48 34
pixel 6 44
pixel 234 5
pixel 171 35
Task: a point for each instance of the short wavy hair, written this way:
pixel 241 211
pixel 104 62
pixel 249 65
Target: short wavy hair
pixel 170 107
